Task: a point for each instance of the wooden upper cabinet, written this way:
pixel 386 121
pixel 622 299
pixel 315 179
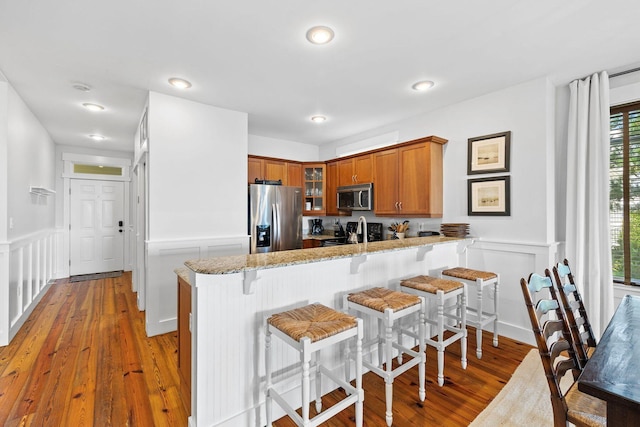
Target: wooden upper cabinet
pixel 294 174
pixel 363 169
pixel 408 179
pixel 355 170
pixel 255 169
pixel 275 170
pixel 331 200
pixel 289 172
pixel 385 182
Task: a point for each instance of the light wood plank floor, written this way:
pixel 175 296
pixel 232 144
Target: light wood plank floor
pixel 82 359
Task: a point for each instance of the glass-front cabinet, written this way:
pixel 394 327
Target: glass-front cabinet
pixel 314 188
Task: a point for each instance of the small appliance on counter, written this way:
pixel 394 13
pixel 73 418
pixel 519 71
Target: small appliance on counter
pixel 374 231
pixel 315 225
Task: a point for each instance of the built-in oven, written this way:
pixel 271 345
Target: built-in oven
pixel 356 197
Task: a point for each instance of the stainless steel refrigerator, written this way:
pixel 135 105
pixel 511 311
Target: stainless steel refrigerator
pixel 275 218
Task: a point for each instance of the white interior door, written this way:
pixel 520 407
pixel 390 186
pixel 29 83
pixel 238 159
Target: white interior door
pixel 96 226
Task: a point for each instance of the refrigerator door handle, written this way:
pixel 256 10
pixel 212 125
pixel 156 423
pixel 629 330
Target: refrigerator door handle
pixel 276 227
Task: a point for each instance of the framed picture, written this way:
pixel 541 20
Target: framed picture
pixel 489 153
pixel 143 129
pixel 489 196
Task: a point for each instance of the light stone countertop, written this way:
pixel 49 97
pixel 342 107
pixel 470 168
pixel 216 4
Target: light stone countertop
pixel 240 263
pixel 319 236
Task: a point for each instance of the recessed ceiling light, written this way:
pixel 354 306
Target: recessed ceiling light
pixel 81 87
pixel 93 107
pixel 318 119
pixel 320 35
pixel 97 137
pixel 179 83
pixel 422 85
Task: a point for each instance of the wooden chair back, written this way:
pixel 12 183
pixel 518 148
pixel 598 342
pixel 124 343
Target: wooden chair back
pixel 575 312
pixel 552 337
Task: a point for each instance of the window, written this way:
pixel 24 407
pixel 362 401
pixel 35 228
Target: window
pixel 624 201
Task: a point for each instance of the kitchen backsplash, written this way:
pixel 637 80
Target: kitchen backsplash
pixel 415 224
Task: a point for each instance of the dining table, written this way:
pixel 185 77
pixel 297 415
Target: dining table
pixel 613 370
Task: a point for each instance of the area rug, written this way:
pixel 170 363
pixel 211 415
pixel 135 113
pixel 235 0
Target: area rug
pixel 97 276
pixel 524 400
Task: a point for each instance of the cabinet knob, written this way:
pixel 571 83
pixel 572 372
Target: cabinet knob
pixel 400 205
pixel 396 205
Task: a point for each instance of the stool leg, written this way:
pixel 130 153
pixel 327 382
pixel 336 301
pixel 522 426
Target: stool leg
pixel 463 326
pixel 479 326
pixel 381 332
pixel 495 310
pixel 422 392
pixel 388 388
pixel 440 347
pixel 267 357
pixel 318 384
pixel 359 390
pixel 305 359
pixel 347 363
pixel 400 344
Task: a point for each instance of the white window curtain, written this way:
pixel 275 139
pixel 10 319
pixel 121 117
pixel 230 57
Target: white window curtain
pixel 588 246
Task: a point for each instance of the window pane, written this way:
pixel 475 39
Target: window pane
pixel 97 170
pixel 616 195
pixel 634 192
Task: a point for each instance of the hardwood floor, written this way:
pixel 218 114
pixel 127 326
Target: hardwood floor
pixel 82 359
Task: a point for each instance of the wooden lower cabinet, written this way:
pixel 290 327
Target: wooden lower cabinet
pixel 184 342
pixel 311 243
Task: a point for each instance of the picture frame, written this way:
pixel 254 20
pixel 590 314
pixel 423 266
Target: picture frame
pixel 143 129
pixel 489 196
pixel 488 153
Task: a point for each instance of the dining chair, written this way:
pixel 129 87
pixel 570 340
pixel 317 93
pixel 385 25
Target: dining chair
pixel 553 338
pixel 576 314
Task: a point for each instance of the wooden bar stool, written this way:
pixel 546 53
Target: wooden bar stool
pixel 309 329
pixel 388 307
pixel 480 279
pixel 441 291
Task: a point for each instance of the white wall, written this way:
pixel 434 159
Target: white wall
pixel 283 149
pixel 197 182
pixel 27 250
pixel 197 192
pixel 30 162
pixel 523 242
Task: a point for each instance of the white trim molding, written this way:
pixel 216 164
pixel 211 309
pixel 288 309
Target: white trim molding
pixel 28 267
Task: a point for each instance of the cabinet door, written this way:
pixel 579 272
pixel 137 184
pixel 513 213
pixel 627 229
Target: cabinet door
pixel 275 169
pixel 294 174
pixel 184 342
pixel 255 170
pixel 363 169
pixel 385 182
pixel 331 202
pixel 420 187
pixel 345 172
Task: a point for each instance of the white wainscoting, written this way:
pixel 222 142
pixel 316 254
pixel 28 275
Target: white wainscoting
pixel 28 266
pixel 512 261
pixel 163 257
pixel 228 336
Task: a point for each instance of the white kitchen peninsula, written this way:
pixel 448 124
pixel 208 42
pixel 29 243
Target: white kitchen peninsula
pixel 232 296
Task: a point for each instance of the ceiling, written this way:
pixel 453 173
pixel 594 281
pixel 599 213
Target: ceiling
pixel 252 56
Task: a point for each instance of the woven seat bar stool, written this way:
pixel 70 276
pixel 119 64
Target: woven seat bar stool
pixel 480 279
pixel 443 291
pixel 308 330
pixel 389 307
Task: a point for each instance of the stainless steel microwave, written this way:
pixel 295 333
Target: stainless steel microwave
pixel 356 197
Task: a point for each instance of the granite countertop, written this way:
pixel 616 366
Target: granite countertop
pixel 183 273
pixel 240 263
pixel 319 237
